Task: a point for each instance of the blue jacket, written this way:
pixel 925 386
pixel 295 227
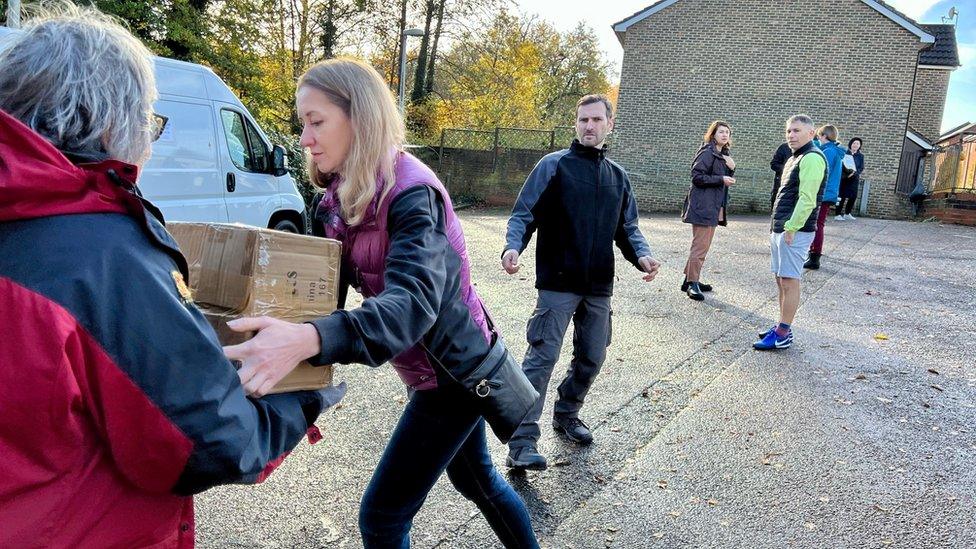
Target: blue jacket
pixel 835 166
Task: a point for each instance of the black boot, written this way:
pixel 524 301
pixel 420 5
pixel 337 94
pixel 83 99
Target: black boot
pixel 701 286
pixel 694 291
pixel 813 262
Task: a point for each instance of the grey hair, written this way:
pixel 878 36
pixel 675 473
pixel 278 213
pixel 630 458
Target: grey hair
pixel 82 81
pixel 800 118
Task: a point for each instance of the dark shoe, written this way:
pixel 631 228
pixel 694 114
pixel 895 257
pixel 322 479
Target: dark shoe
pixel 526 458
pixel 813 262
pixel 701 286
pixel 573 429
pixel 694 291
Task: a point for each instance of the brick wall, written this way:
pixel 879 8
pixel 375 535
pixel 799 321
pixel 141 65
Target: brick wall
pixel 955 208
pixel 928 101
pixel 755 63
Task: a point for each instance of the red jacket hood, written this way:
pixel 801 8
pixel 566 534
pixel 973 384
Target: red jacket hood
pixel 37 180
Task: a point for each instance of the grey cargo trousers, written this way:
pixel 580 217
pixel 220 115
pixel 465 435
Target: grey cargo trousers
pixel 591 316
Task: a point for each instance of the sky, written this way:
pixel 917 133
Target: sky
pixel 960 102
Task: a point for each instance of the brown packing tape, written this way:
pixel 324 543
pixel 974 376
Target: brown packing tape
pixel 304 377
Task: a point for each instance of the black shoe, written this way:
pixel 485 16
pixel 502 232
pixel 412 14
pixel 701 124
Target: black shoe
pixel 701 286
pixel 573 429
pixel 694 291
pixel 525 458
pixel 813 262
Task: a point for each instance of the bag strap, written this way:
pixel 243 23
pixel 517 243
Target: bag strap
pixel 494 338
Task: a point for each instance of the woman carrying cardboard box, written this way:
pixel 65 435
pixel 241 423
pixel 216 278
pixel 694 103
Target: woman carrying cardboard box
pixel 403 249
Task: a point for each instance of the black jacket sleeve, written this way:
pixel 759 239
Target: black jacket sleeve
pixel 525 213
pixel 628 235
pixel 414 281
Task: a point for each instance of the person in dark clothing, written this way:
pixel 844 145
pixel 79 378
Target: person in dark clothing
pixel 404 251
pixel 706 202
pixel 118 402
pixel 581 203
pixel 849 182
pixel 782 154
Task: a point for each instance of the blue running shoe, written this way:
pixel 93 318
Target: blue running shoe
pixel 773 342
pixel 764 333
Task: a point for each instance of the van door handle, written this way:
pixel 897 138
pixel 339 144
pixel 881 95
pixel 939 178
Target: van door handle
pixel 231 182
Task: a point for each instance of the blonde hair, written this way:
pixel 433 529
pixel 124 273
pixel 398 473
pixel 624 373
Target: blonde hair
pixel 77 77
pixel 378 131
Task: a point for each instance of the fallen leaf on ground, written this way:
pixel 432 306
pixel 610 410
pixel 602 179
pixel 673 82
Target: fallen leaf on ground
pixel 713 502
pixel 882 509
pixel 860 376
pixel 561 462
pixel 937 388
pixel 880 336
pixel 675 514
pixel 612 529
pixel 662 484
pixel 933 371
pixel 658 535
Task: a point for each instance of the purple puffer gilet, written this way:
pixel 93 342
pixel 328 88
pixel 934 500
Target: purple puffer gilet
pixel 366 245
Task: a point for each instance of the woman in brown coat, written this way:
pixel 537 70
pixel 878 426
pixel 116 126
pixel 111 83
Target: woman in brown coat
pixel 708 195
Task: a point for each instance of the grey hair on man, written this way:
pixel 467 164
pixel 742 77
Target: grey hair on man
pixel 801 119
pixel 82 81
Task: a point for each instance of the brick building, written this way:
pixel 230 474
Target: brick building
pixel 858 64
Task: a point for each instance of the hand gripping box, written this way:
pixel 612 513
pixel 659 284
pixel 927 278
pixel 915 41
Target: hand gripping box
pixel 238 270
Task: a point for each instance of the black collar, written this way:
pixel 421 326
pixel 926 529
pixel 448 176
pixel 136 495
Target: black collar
pixel 589 152
pixel 804 149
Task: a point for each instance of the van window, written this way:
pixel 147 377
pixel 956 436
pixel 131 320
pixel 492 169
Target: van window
pixel 259 152
pixel 247 150
pixel 236 140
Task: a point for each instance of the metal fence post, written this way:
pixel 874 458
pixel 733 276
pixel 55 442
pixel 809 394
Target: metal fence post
pixel 494 151
pixel 440 151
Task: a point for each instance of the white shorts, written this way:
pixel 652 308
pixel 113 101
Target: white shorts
pixel 787 260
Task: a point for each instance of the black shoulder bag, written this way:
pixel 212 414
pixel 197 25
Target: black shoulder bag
pixel 501 392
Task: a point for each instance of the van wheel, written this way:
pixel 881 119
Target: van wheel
pixel 286 226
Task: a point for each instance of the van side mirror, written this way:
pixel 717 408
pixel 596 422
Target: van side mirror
pixel 279 161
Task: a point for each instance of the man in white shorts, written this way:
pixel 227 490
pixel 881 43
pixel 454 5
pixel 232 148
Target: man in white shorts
pixel 794 223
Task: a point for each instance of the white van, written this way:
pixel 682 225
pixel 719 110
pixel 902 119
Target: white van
pixel 213 163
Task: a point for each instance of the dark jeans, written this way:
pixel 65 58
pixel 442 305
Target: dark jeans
pixel 438 430
pixel 844 206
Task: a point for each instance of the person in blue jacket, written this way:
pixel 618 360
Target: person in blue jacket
pixel 835 159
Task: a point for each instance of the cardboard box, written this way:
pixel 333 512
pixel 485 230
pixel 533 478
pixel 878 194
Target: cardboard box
pixel 304 377
pixel 243 269
pixel 238 270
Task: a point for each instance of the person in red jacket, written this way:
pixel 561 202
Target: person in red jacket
pixel 116 400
